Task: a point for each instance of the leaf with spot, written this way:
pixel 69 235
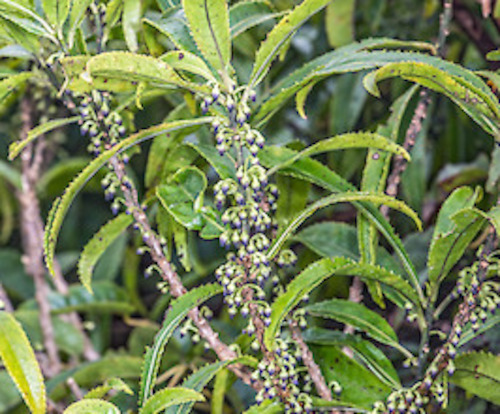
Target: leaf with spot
pixel 318 272
pixel 169 397
pixel 62 204
pixel 97 246
pixel 19 360
pixel 92 406
pixel 479 374
pixel 463 87
pixel 209 23
pixel 181 60
pixel 360 317
pixel 175 315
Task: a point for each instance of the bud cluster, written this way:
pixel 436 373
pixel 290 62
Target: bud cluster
pixel 280 377
pixel 404 401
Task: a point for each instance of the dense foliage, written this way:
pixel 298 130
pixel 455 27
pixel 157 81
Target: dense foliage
pixel 177 236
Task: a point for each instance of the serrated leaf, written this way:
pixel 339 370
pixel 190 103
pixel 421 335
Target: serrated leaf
pixel 479 374
pixel 315 274
pixel 17 146
pixel 19 360
pixel 209 23
pixel 97 246
pixel 92 406
pixel 345 141
pixel 377 199
pixel 316 173
pixel 467 90
pixel 248 14
pixel 169 397
pixel 176 314
pixel 358 316
pixel 200 379
pixel 112 384
pixel 62 204
pixel 280 34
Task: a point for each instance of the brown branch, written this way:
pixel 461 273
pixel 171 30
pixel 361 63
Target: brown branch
pixel 167 272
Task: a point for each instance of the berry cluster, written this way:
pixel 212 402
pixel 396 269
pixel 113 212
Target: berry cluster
pixel 282 373
pixel 405 401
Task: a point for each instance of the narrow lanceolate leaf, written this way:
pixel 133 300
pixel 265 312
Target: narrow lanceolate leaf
pixel 182 60
pixel 469 92
pixel 92 406
pixel 76 15
pixel 358 316
pixel 61 205
pixel 315 274
pixel 96 247
pixel 56 11
pixel 200 379
pixel 169 397
pixel 19 360
pixel 346 141
pixel 177 312
pixel 316 173
pixel 479 374
pixel 280 34
pixel 248 14
pixel 12 83
pixel 131 23
pixel 16 147
pixel 377 199
pixel 209 23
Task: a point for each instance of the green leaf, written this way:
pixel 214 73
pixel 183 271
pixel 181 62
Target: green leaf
pixel 340 22
pixel 377 199
pixel 56 12
pixel 479 374
pixel 12 83
pixel 26 19
pixel 17 146
pixel 62 204
pixel 280 34
pixel 131 23
pixel 92 406
pixel 169 397
pixel 97 246
pixel 315 274
pixel 222 164
pixel 76 15
pixel 219 392
pixel 189 62
pixel 19 360
pixel 176 314
pixel 345 141
pixel 200 379
pixel 316 173
pixel 267 407
pixel 248 14
pixel 10 174
pixel 293 196
pixel 463 87
pixel 112 384
pixel 351 376
pixel 174 25
pixel 209 23
pixel 358 316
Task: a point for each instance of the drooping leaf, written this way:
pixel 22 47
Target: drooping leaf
pixel 19 360
pixel 358 316
pixel 315 274
pixel 169 397
pixel 178 311
pixel 209 23
pixel 479 374
pixel 377 199
pixel 17 146
pixel 62 204
pixel 280 34
pixel 92 406
pixel 97 246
